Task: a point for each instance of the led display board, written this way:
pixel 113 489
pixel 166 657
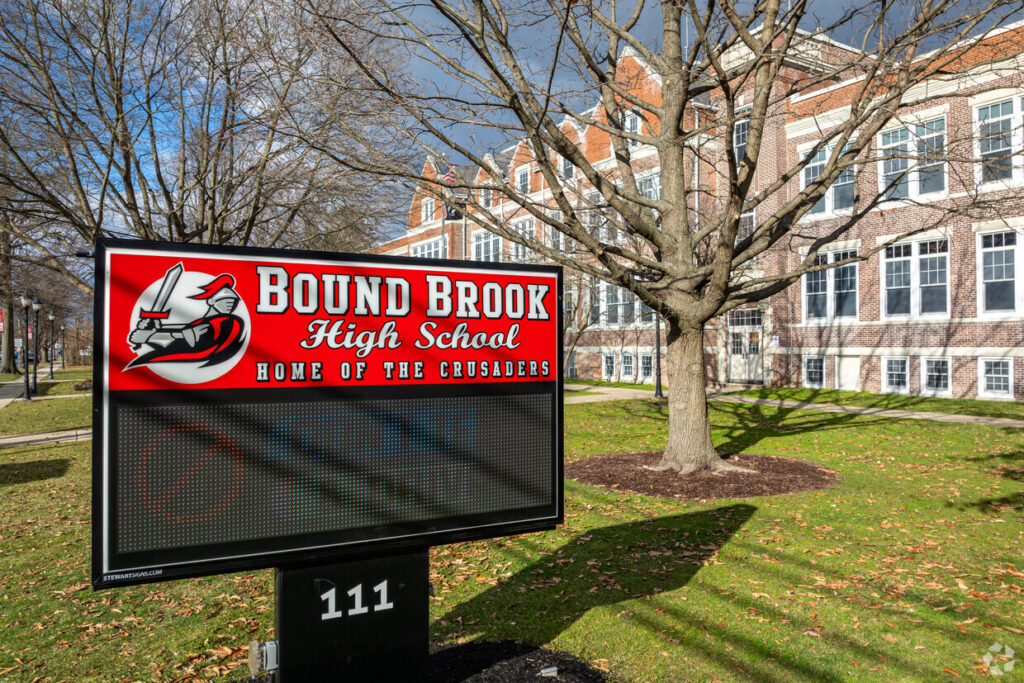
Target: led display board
pixel 259 408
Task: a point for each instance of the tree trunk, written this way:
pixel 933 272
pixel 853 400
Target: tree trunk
pixel 7 305
pixel 690 448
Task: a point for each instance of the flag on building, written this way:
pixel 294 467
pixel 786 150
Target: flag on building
pixel 449 177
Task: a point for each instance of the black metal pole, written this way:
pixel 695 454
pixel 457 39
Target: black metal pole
pixel 35 352
pixel 657 356
pixel 63 346
pixel 24 351
pixel 49 351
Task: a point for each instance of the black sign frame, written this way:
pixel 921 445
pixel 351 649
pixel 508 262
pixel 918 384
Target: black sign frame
pixel 156 567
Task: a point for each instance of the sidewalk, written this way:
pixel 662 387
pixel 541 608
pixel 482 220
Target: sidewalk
pixel 618 393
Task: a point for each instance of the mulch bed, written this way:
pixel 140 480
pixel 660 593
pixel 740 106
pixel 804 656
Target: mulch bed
pixel 626 473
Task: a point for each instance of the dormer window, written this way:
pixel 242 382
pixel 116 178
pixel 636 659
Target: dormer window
pixel 428 210
pixel 568 170
pixel 523 180
pixel 631 124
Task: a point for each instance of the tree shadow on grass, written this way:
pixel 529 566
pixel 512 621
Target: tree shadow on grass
pixel 751 423
pixel 12 474
pixel 601 567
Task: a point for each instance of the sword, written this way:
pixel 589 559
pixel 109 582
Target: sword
pixel 159 310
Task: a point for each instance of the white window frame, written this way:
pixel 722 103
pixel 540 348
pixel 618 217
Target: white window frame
pixel 913 172
pixel 915 280
pixel 640 366
pixel 566 169
pixel 431 249
pixel 486 198
pixel 571 369
pixel 523 180
pixel 1016 97
pixel 743 119
pixel 483 235
pixel 886 388
pixel 519 252
pixel 982 391
pixel 925 390
pixel 829 197
pixel 556 239
pixel 806 383
pixel 830 291
pixel 605 358
pixel 427 210
pixel 1018 276
pixel 631 124
pixel 632 366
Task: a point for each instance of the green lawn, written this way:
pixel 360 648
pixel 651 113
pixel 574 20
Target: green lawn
pixel 33 417
pixel 963 406
pixel 624 385
pixel 908 569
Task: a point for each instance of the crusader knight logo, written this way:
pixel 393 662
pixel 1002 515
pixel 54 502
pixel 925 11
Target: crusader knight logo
pixel 189 327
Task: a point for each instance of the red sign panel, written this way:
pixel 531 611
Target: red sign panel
pixel 261 406
pixel 179 320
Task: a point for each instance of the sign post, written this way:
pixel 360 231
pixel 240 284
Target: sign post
pixel 330 415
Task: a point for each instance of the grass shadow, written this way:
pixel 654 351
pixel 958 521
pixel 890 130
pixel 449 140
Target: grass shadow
pixel 601 567
pixel 12 474
pixel 752 423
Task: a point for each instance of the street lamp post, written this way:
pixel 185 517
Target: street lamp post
pixel 36 306
pixel 51 317
pixel 25 303
pixel 657 356
pixel 63 346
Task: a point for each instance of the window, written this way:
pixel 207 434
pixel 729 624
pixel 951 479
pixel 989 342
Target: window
pixel 609 367
pixel 568 170
pixel 736 343
pixel 894 375
pixel 568 309
pixel 841 195
pixel 519 252
pixel 558 240
pixel 570 366
pixel 897 279
pixel 998 272
pixel 831 293
pixel 814 372
pixel 895 164
pixel 745 317
pixel 931 152
pixel 996 377
pixel 428 249
pixel 595 301
pixel 627 365
pixel 427 208
pixel 935 376
pixel 917 279
pixel 646 366
pixel 486 246
pixel 631 124
pixel 913 160
pixel 995 141
pixel 523 180
pixel 611 304
pixel 740 129
pixel 650 187
pixel 485 197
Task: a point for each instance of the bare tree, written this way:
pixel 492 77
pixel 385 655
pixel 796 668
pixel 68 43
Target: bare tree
pixel 170 121
pixel 541 72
